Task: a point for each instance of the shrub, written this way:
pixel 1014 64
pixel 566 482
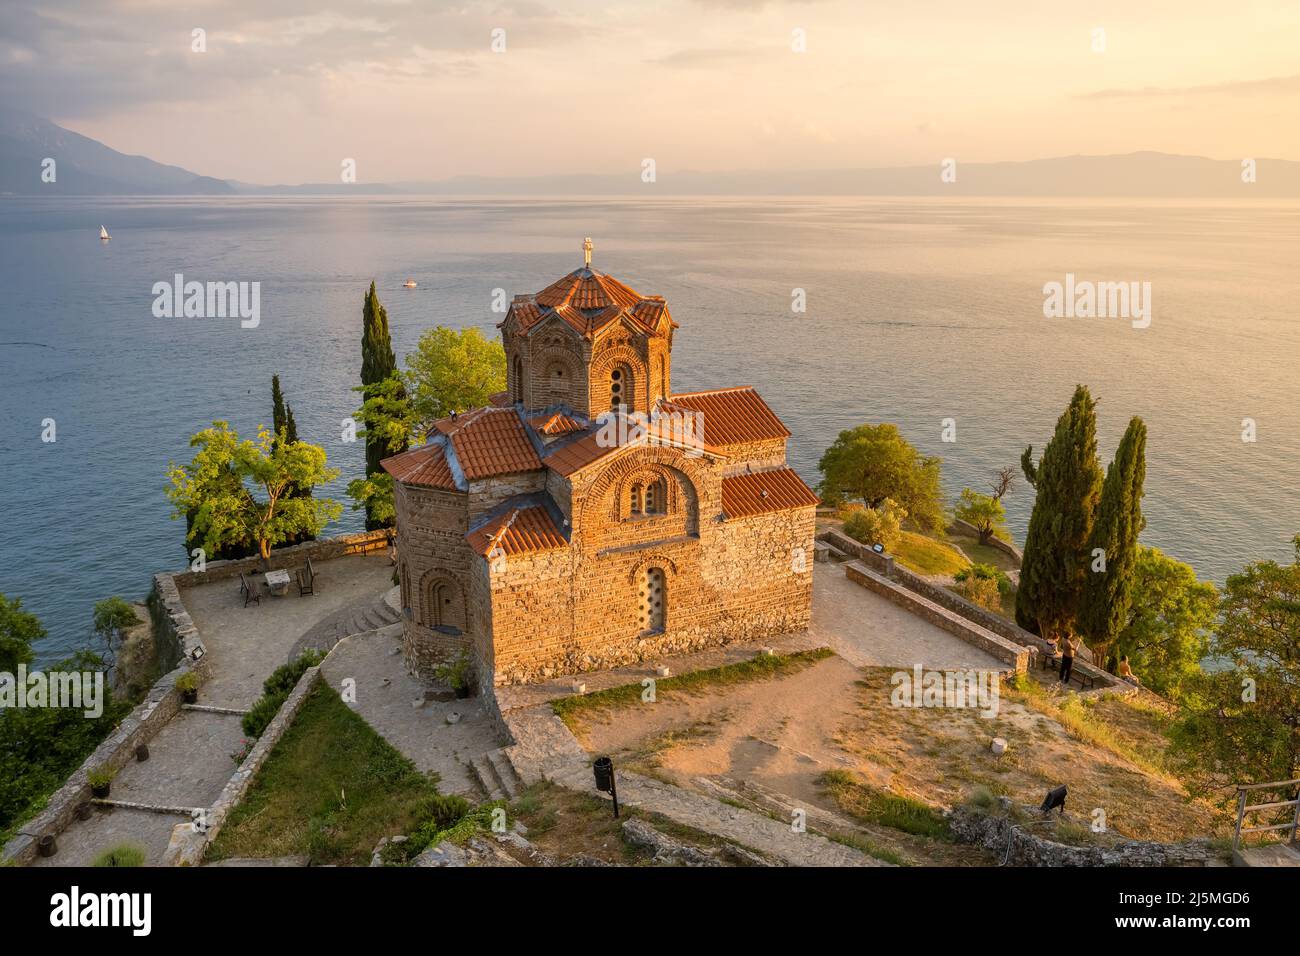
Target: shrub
pixel 285 677
pixel 123 855
pixel 987 572
pixel 455 672
pixel 981 591
pixel 187 682
pixel 874 526
pixel 262 713
pixel 101 776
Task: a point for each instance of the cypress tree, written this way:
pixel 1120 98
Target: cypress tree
pixel 290 426
pixel 1108 594
pixel 279 421
pixel 1068 483
pixel 377 364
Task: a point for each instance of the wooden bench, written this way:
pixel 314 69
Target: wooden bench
pixel 307 579
pixel 1052 662
pixel 250 591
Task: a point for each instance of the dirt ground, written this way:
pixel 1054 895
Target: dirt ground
pixel 784 733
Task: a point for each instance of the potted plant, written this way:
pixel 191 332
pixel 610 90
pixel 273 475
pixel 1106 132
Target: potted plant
pixel 456 673
pixel 101 781
pixel 188 685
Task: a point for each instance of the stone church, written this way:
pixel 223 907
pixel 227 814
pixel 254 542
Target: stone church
pixel 592 517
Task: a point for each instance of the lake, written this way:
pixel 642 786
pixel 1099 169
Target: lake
pixel 917 311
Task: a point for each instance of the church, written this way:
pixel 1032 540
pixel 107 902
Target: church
pixel 590 516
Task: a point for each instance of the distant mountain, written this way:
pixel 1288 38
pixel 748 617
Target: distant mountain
pixel 85 167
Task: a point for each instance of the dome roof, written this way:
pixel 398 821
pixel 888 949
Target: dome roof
pixel 589 300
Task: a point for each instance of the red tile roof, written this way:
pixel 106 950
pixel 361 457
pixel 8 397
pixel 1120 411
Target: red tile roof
pixel 424 467
pixel 490 441
pixel 517 531
pixel 556 424
pixel 500 399
pixel 764 492
pixel 589 301
pixel 730 416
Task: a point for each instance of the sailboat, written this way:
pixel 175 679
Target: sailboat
pixel 103 233
pixel 408 284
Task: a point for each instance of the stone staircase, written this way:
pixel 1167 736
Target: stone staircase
pixel 496 775
pixel 368 615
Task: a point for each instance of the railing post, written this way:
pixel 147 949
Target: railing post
pixel 1241 813
pixel 1295 820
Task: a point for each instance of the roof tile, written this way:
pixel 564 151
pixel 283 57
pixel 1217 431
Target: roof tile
pixel 518 531
pixel 764 492
pixel 731 416
pixel 424 467
pixel 490 441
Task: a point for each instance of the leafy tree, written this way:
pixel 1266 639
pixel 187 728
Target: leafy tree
pixel 875 462
pixel 1243 722
pixel 374 495
pixel 1167 633
pixel 452 371
pixel 389 421
pixel 876 525
pixel 19 630
pixel 226 512
pixel 985 512
pixel 1113 544
pixel 1068 483
pixel 112 617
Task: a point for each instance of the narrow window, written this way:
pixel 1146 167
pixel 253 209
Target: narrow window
pixel 653 597
pixel 636 500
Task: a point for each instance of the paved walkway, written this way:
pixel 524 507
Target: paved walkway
pixel 868 630
pixel 385 696
pixel 190 758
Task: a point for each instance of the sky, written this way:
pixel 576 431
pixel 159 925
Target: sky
pixel 285 90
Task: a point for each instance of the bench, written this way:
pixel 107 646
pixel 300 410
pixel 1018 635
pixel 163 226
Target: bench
pixel 307 579
pixel 1052 662
pixel 250 592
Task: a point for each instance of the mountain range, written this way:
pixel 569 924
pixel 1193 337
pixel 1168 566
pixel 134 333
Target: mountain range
pixel 86 167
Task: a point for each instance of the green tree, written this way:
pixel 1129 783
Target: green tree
pixel 389 421
pixel 1242 724
pixel 19 630
pixel 112 617
pixel 1068 484
pixel 225 513
pixel 985 512
pixel 1170 616
pixel 1113 544
pixel 882 525
pixel 875 462
pixel 452 371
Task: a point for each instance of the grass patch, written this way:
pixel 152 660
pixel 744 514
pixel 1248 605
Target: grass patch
pixel 881 807
pixel 574 710
pixel 330 790
pixel 124 855
pixel 926 556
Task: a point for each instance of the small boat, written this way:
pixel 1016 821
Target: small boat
pixel 408 284
pixel 103 233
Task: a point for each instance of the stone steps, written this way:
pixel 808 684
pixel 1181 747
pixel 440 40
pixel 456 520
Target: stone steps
pixel 495 775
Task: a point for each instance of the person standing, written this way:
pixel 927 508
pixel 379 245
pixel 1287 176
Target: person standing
pixel 1068 646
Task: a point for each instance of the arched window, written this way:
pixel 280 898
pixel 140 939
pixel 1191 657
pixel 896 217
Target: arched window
pixel 654 596
pixel 518 391
pixel 620 388
pixel 655 501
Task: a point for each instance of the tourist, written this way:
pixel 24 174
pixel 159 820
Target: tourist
pixel 1068 647
pixel 1126 672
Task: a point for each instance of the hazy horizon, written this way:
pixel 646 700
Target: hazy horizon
pixel 417 93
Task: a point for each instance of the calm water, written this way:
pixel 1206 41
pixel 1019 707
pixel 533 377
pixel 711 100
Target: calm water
pixel 917 311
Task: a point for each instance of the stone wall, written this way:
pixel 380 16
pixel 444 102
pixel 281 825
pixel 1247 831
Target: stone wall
pixel 1015 656
pixel 189 842
pixel 886 566
pixel 999 833
pixel 115 751
pixel 322 549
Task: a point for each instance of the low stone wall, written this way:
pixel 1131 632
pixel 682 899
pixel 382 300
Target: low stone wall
pixel 1015 656
pixel 175 637
pixel 322 549
pixel 886 566
pixel 1006 547
pixel 115 751
pixel 1001 834
pixel 188 841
